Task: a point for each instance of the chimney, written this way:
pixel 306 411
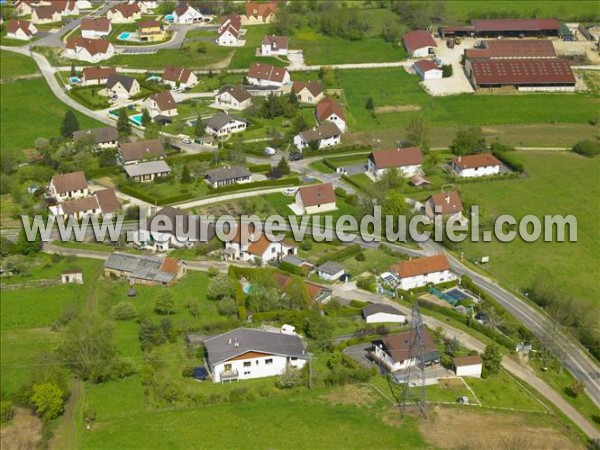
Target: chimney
pixel 229 341
pixel 448 199
pixel 237 343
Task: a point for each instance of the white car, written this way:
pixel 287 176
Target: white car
pixel 290 191
pixel 186 140
pixel 270 151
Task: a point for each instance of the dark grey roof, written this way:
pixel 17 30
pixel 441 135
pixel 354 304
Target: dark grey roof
pixel 330 268
pixel 294 260
pixel 139 266
pixel 180 222
pixel 147 168
pixel 221 119
pixel 377 308
pixel 241 340
pixel 323 131
pixel 125 81
pixel 227 173
pixel 101 135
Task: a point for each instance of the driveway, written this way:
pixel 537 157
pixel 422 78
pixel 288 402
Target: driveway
pixel 458 83
pixel 360 353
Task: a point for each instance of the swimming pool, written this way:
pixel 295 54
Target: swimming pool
pixel 74 80
pixel 192 123
pixel 137 119
pixel 153 78
pixel 247 287
pixel 169 17
pixel 457 294
pixel 124 36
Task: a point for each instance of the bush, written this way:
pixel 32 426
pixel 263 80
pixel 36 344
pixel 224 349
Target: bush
pixel 293 181
pixel 290 378
pixel 259 168
pixel 587 148
pixel 358 304
pixel 290 268
pixel 227 307
pixel 306 245
pixel 340 254
pixel 447 70
pixel 360 257
pixel 6 411
pixel 187 372
pixel 123 311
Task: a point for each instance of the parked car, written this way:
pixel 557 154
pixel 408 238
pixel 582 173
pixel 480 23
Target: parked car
pixel 290 191
pixel 270 151
pixel 295 156
pixel 200 373
pixel 186 140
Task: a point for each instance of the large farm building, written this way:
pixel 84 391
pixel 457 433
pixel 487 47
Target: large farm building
pixel 499 28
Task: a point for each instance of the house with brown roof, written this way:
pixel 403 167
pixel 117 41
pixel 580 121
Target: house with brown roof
pixel 308 91
pixel 46 14
pixel 229 37
pixel 316 198
pixel 316 293
pixel 259 13
pixel 147 171
pixel 512 49
pixel 478 165
pixel 233 97
pixel 261 74
pixel 419 43
pixel 446 204
pixel 136 152
pixel 90 50
pixel 325 135
pixel 398 351
pixel 274 45
pixel 185 13
pixel 250 245
pixel 328 110
pixel 161 104
pixel 101 203
pixel 68 186
pixel 428 70
pixel 178 77
pixel 26 7
pixel 95 27
pixel 418 272
pixel 122 86
pixel 408 161
pixel 124 13
pixel 225 176
pixel 20 29
pixel 102 138
pixel 96 75
pixel 67 7
pixel 151 31
pixel 233 20
pixel 467 366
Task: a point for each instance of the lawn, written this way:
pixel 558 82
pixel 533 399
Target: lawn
pixel 375 261
pixel 14 65
pixel 575 10
pixel 319 49
pixel 297 420
pixel 30 110
pixel 246 55
pixel 549 189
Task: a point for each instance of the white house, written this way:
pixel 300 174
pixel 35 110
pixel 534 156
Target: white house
pixel 96 75
pixel 246 353
pixel 478 165
pixel 468 366
pixel 225 176
pixel 428 70
pixel 330 271
pixel 124 13
pixel 146 6
pixel 326 135
pixel 252 246
pixel 378 313
pixel 68 186
pixel 186 14
pixel 233 97
pixel 71 276
pixel 90 50
pixel 393 351
pixel 274 46
pixel 161 104
pixel 147 171
pixel 93 28
pixel 103 137
pixel 268 75
pixel 308 91
pixel 328 110
pixel 20 29
pixel 418 272
pixel 178 77
pixel 223 124
pixel 316 198
pixel 136 152
pixel 446 204
pixel 259 12
pixel 122 86
pixel 419 43
pixel 46 14
pixel 229 37
pixel 100 203
pixel 84 4
pixel 408 161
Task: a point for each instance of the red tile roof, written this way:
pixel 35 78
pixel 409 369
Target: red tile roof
pixel 98 73
pixel 426 65
pixel 266 72
pixel 176 74
pixel 72 207
pixel 14 25
pixel 467 360
pixel 238 92
pixel 68 182
pixel 93 46
pixel 515 24
pixel 170 265
pixel 314 87
pixel 97 24
pixel 257 9
pixel 232 20
pixel 317 194
pixel 522 71
pixel 108 201
pixel 126 9
pixel 446 203
pixel 398 345
pixel 421 266
pixel 327 107
pixel 478 160
pixel 47 11
pixel 385 159
pixel 506 48
pixel 278 42
pixel 415 40
pixel 164 100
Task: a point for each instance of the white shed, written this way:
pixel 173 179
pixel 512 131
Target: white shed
pixel 72 276
pixel 377 313
pixel 468 366
pixel 428 70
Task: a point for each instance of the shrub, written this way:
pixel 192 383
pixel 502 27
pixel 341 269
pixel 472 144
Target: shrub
pixel 6 411
pixel 306 245
pixel 227 307
pixel 360 257
pixel 187 372
pixel 447 70
pixel 123 311
pixel 340 254
pixel 290 378
pixel 587 148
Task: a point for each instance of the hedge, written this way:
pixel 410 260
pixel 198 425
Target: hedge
pixel 344 312
pixel 329 164
pixel 242 314
pixel 358 304
pixel 135 192
pixel 290 268
pixel 500 177
pixel 339 149
pixel 259 168
pixel 512 164
pixel 340 254
pixel 294 181
pixel 181 158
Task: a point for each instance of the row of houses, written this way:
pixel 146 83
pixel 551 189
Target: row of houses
pixel 45 11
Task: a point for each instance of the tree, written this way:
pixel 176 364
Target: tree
pixel 576 388
pixel 69 124
pixel 394 204
pixel 123 311
pixel 314 145
pixel 200 128
pixel 88 348
pixel 318 328
pixel 447 70
pixel 221 286
pixel 468 140
pixel 123 124
pixel 17 264
pixel 194 308
pixel 283 166
pixel 165 304
pixel 299 124
pixel 492 358
pixel 227 307
pixel 146 119
pixel 48 400
pixel 296 294
pixel 151 334
pixel 370 104
pixel 417 133
pixel 73 71
pixel 186 178
pixel 6 247
pixel 24 246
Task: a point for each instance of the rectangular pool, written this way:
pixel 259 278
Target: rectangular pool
pixel 124 36
pixel 137 119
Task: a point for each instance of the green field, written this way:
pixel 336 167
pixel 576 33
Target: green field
pixel 246 55
pixel 14 65
pixel 573 10
pixel 26 99
pixel 549 189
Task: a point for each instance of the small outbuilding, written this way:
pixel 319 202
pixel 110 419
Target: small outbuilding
pixel 72 276
pixel 330 271
pixel 377 313
pixel 427 70
pixel 468 366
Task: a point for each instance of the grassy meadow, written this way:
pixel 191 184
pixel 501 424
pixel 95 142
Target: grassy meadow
pixel 573 10
pixel 15 65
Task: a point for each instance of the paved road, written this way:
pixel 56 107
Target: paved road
pixel 348 292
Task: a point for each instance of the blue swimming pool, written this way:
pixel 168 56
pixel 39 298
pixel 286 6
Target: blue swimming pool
pixel 247 288
pixel 153 78
pixel 74 80
pixel 457 294
pixel 124 36
pixel 137 119
pixel 169 17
